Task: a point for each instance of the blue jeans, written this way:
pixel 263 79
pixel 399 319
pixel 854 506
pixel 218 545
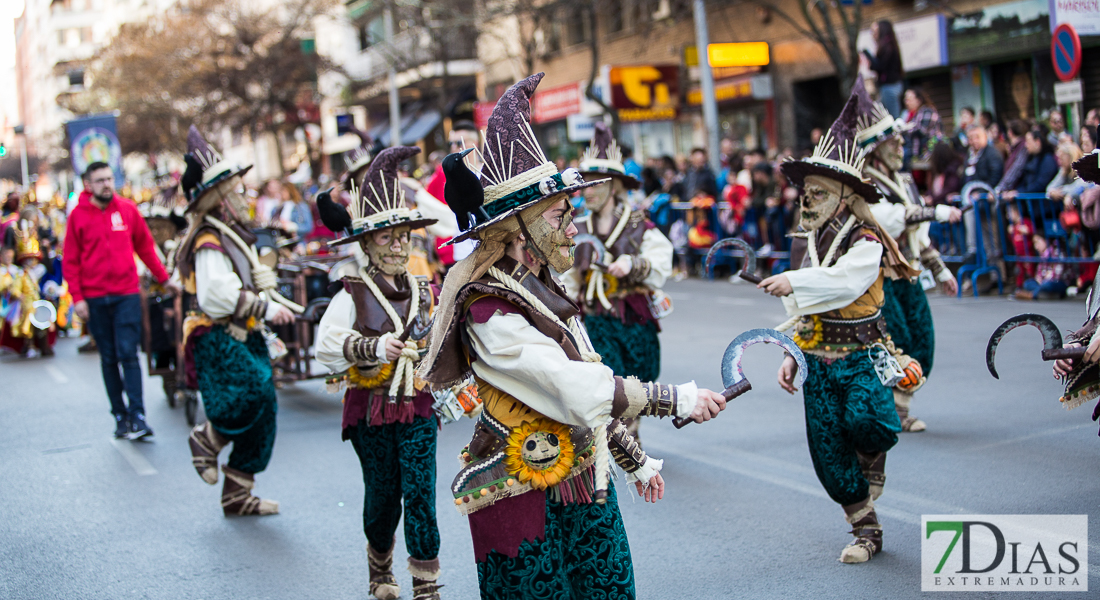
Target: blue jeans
pixel 890 96
pixel 1054 288
pixel 115 322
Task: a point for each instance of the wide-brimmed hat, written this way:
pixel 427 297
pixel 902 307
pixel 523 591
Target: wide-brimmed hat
pixel 837 156
pixel 604 157
pixel 379 202
pixel 163 206
pixel 516 174
pixel 1088 167
pixel 874 124
pixel 359 157
pixel 205 168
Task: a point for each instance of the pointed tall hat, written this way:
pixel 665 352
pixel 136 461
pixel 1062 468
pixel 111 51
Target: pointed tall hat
pixel 205 168
pixel 604 157
pixel 837 156
pixel 380 199
pixel 516 174
pixel 1088 167
pixel 874 124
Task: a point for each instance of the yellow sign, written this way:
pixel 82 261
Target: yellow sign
pixel 627 115
pixel 723 92
pixel 745 54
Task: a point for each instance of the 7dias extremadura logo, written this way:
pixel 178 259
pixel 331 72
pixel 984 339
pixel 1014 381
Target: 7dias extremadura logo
pixel 1004 553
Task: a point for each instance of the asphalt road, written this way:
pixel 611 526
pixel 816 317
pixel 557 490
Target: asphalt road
pixel 84 516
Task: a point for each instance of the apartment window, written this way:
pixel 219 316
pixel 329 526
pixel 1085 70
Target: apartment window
pixel 61 37
pixel 85 35
pixel 550 28
pixel 370 33
pixel 613 16
pixel 576 28
pixel 76 78
pixel 681 9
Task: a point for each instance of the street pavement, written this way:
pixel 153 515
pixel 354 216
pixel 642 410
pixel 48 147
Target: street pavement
pixel 85 516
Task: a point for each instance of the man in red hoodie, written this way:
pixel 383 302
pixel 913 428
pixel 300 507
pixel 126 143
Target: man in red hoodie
pixel 104 232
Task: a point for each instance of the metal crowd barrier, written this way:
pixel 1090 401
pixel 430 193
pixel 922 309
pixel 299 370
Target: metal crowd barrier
pixel 983 243
pixel 727 257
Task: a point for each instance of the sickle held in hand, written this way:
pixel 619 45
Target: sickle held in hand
pixel 600 258
pixel 733 377
pixel 748 266
pixel 1052 340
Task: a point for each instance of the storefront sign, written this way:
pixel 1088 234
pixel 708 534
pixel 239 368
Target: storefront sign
pixel 749 87
pixel 631 115
pixel 743 54
pixel 556 103
pixel 1084 15
pixel 579 128
pixel 482 112
pixel 923 42
pixel 645 87
pixel 999 31
pixel 1068 92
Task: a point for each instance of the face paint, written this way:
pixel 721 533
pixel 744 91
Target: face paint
pixel 383 256
pixel 819 201
pixel 892 153
pixel 546 242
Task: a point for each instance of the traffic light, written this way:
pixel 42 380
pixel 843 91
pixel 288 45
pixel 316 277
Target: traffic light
pixel 3 150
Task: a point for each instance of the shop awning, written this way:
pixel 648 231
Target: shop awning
pixel 414 127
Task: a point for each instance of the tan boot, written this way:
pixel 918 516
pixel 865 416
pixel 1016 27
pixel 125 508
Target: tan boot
pixel 908 422
pixel 425 574
pixel 237 498
pixel 383 586
pixel 867 532
pixel 873 466
pixel 205 445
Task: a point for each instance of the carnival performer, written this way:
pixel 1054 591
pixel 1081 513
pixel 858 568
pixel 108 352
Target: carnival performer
pixel 840 257
pixel 544 519
pixel 167 224
pixel 904 217
pixel 22 331
pixel 1082 377
pixel 387 413
pixel 617 298
pixel 226 341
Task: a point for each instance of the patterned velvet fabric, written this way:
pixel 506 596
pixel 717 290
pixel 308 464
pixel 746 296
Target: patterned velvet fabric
pixel 628 348
pixel 909 320
pixel 398 461
pixel 847 410
pixel 584 555
pixel 238 394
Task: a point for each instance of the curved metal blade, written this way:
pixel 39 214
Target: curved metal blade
pixel 731 361
pixel 1052 337
pixel 420 331
pixel 748 266
pixel 587 238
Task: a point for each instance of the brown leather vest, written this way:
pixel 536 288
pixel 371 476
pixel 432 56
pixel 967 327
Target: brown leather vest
pixel 629 241
pixel 241 264
pixel 371 319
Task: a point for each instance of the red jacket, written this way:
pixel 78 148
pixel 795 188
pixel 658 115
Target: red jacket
pixel 100 244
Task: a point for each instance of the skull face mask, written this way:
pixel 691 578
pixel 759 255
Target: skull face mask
pixel 233 202
pixel 546 242
pixel 380 247
pixel 891 153
pixel 819 201
pixel 597 196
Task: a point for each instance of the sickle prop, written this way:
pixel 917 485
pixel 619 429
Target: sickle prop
pixel 600 259
pixel 734 378
pixel 417 331
pixel 748 266
pixel 1052 340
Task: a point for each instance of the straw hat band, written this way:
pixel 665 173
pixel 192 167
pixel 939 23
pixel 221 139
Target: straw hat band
pixel 519 182
pixel 835 164
pixel 217 170
pixel 602 165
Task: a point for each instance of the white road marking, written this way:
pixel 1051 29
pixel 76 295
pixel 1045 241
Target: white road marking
pixel 140 464
pixel 56 374
pixel 1029 436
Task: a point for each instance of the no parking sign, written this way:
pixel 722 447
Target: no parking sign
pixel 1065 52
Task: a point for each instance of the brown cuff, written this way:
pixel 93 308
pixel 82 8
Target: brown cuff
pixel 626 451
pixel 919 214
pixel 930 258
pixel 250 305
pixel 630 398
pixel 1084 335
pixel 660 400
pixel 639 270
pixel 359 349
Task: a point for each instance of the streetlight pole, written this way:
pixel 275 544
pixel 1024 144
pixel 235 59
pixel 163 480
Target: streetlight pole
pixel 395 104
pixel 18 130
pixel 706 78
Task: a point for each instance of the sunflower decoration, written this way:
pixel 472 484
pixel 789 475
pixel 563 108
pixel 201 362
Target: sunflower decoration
pixel 539 452
pixel 373 378
pixel 807 332
pixel 610 283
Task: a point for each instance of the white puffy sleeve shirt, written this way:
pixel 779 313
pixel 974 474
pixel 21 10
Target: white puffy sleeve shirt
pixel 218 287
pixel 821 289
pixel 516 358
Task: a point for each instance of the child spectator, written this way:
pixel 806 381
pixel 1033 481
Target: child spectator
pixel 1020 231
pixel 1048 277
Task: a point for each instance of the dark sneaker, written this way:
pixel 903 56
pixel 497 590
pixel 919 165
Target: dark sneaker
pixel 139 430
pixel 122 426
pixel 88 347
